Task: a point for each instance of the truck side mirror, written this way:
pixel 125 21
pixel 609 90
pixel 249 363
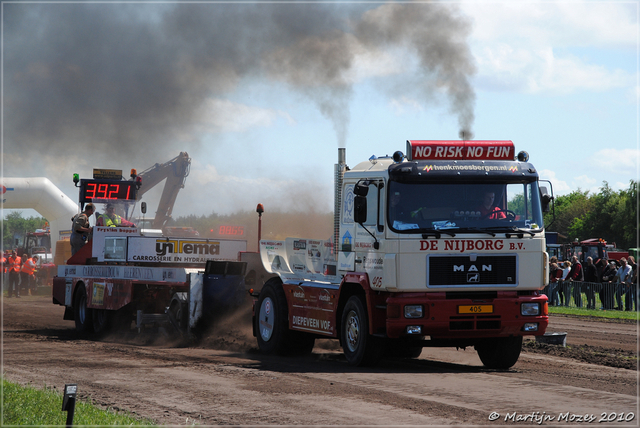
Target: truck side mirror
pixel 360 208
pixel 143 207
pixel 361 189
pixel 545 199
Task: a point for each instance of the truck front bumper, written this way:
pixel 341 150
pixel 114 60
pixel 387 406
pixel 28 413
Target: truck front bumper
pixel 448 316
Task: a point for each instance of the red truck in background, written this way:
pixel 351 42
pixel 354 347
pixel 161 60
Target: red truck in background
pixel 596 248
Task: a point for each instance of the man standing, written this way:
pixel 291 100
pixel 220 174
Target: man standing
pixel 27 274
pixel 81 229
pixel 15 264
pixel 590 279
pixel 622 276
pixel 576 278
pixel 633 283
pixel 608 284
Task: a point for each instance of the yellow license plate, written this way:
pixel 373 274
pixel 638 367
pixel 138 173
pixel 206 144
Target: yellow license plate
pixel 475 309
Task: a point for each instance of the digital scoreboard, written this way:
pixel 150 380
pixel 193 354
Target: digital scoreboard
pixel 102 190
pixel 228 230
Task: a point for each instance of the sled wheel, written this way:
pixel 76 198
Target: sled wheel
pixel 102 322
pixel 360 348
pixel 83 316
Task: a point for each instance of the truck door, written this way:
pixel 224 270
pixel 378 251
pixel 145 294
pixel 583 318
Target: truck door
pixel 368 255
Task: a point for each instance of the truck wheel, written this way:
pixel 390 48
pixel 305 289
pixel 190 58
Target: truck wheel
pixel 102 321
pixel 83 316
pixel 360 348
pixel 301 343
pixel 499 353
pixel 403 349
pixel 272 323
pixel 121 319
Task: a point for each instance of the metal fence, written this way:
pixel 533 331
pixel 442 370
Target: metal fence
pixel 593 295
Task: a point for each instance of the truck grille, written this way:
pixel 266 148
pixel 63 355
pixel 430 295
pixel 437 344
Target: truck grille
pixel 468 271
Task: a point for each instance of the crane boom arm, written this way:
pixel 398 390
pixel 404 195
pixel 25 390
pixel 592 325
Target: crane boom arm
pixel 175 173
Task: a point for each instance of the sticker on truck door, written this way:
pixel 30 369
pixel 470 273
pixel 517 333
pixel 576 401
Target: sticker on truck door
pixel 97 295
pixel 347 204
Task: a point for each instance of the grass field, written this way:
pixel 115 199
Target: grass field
pixel 599 313
pixel 31 406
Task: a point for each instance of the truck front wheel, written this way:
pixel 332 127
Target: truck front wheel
pixel 83 316
pixel 360 348
pixel 499 353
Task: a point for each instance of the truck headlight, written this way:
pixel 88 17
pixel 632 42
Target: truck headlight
pixel 413 311
pixel 414 329
pixel 530 309
pixel 530 326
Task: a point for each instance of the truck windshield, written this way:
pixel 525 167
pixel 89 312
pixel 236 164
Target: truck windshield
pixel 463 207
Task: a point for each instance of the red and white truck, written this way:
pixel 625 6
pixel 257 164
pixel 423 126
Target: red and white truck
pixel 127 274
pixel 415 260
pixel 121 277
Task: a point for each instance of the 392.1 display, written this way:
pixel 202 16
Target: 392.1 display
pixel 103 190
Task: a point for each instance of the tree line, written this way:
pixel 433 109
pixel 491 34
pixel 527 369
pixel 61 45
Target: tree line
pixel 610 215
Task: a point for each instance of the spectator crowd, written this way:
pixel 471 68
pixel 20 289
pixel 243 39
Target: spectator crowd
pixel 601 284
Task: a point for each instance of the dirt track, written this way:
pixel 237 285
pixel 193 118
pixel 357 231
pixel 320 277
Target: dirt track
pixel 225 381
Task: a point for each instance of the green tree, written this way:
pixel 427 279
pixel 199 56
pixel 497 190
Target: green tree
pixel 609 215
pixel 567 209
pixel 14 226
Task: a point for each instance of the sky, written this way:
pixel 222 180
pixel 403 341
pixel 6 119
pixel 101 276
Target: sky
pixel 262 95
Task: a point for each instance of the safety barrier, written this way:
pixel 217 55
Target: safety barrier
pixel 593 295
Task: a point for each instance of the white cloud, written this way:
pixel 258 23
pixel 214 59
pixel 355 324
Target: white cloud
pixel 218 115
pixel 620 162
pixel 527 46
pixel 585 182
pixel 575 23
pixel 543 71
pixel 559 187
pixel 405 104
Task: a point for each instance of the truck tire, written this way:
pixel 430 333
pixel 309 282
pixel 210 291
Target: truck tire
pixel 179 312
pixel 121 319
pixel 301 343
pixel 403 349
pixel 102 321
pixel 499 353
pixel 83 316
pixel 360 348
pixel 272 324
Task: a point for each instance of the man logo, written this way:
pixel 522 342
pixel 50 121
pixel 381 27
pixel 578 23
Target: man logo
pixel 473 277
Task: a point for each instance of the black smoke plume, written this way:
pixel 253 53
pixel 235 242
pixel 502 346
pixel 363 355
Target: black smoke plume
pixel 89 82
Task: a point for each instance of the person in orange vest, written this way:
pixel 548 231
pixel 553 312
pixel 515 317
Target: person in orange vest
pixel 111 219
pixel 27 274
pixel 3 269
pixel 15 263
